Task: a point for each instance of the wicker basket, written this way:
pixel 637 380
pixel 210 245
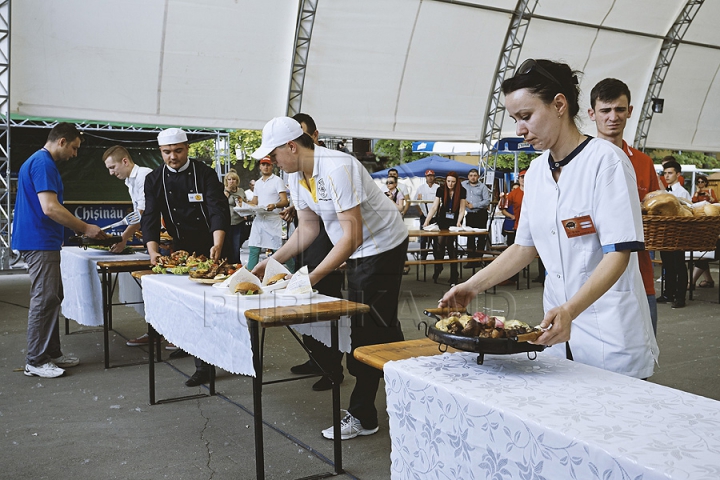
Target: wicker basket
pixel 681 233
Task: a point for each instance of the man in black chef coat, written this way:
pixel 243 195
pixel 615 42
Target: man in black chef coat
pixel 188 196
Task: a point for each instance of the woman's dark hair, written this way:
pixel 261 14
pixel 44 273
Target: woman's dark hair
pixel 456 192
pixel 701 177
pixel 546 79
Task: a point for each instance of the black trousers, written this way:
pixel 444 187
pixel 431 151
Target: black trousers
pixel 676 275
pixel 374 281
pixel 476 220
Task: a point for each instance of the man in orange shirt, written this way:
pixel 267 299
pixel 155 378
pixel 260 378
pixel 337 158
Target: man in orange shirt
pixel 610 110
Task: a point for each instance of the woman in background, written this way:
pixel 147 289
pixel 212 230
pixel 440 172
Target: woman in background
pixel 235 196
pixel 449 206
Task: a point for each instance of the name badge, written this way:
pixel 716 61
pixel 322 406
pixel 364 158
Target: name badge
pixel 449 215
pixel 195 197
pixel 578 226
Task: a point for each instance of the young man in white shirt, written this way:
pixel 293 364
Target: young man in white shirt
pixel 476 213
pixel 266 232
pixel 426 191
pixel 367 232
pixel 676 275
pixel 120 164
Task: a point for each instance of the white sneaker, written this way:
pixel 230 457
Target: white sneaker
pixel 66 361
pixel 48 370
pixel 350 427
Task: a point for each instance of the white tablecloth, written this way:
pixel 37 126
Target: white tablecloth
pixel 82 288
pixel 210 324
pixel 514 418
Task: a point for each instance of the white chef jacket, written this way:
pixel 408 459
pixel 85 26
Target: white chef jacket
pixel 341 183
pixel 135 183
pixel 615 332
pixel 266 229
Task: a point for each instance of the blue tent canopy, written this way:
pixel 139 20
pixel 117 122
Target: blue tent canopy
pixel 440 165
pixel 513 144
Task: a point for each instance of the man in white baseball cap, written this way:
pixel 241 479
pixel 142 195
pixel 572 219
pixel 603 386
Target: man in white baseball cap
pixel 367 232
pixel 277 132
pixel 188 196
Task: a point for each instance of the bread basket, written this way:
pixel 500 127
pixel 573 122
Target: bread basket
pixel 681 233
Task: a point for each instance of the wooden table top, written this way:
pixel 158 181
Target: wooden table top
pixel 378 355
pixel 316 312
pixel 125 266
pixel 443 233
pixel 141 273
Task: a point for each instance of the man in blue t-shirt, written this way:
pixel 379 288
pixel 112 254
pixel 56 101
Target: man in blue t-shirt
pixel 38 223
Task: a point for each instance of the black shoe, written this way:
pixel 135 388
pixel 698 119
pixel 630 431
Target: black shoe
pixel 678 303
pixel 454 281
pixel 663 299
pixel 436 275
pixel 198 378
pixel 307 368
pixel 325 384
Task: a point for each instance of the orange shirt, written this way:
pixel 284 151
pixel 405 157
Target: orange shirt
pixel 515 198
pixel 647 181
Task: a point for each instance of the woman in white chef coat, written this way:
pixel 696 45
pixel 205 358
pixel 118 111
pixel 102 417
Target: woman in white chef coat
pixel 581 214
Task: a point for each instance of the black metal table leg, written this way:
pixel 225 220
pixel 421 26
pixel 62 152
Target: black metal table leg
pixel 153 344
pixel 107 307
pixel 257 400
pixel 337 440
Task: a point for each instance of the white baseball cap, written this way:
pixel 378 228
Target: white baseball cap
pixel 277 132
pixel 171 136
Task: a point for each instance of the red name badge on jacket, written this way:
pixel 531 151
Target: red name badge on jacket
pixel 578 226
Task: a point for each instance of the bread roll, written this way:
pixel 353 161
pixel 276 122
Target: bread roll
pixel 665 204
pixel 712 210
pixel 247 288
pixel 699 211
pixel 276 278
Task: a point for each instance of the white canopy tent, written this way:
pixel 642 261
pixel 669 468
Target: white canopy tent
pixel 405 69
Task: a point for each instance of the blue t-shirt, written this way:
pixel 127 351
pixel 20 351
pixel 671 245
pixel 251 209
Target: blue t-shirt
pixel 32 229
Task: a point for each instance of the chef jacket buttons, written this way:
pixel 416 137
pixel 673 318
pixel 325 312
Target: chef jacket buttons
pixel 559 276
pixel 552 231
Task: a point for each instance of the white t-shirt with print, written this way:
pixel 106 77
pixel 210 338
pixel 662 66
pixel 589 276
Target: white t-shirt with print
pixel 342 183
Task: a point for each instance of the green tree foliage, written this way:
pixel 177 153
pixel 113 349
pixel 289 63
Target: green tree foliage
pixel 247 140
pixel 506 161
pixel 698 159
pixel 395 152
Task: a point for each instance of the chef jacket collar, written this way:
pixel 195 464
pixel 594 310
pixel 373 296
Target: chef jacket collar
pixel 181 169
pixel 554 165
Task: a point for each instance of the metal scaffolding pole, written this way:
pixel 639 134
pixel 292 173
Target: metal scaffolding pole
pixel 662 65
pixel 303 35
pixel 5 187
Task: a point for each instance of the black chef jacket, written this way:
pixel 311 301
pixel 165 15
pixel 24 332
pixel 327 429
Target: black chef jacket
pixel 190 223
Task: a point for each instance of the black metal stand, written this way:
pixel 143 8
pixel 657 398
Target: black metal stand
pixel 258 383
pixel 155 348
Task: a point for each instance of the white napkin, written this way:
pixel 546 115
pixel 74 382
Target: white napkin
pixel 272 268
pixel 433 227
pixel 299 283
pixel 456 229
pixel 242 275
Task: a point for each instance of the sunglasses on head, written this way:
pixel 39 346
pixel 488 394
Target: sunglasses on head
pixel 530 65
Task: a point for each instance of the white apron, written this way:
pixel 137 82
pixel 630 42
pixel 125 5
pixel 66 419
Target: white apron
pixel 266 230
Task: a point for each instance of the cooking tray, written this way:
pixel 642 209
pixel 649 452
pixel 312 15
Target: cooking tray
pixel 83 241
pixel 481 346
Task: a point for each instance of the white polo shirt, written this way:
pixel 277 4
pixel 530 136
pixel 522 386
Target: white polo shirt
pixel 136 186
pixel 339 183
pixel 428 193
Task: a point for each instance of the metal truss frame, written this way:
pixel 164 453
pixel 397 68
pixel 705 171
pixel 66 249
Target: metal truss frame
pixel 303 35
pixel 5 187
pixel 662 65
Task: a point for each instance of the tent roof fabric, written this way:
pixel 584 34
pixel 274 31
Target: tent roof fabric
pixel 403 69
pixel 440 165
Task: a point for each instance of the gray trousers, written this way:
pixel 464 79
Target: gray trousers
pixel 46 294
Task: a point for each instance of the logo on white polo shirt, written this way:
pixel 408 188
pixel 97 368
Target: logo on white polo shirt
pixel 321 190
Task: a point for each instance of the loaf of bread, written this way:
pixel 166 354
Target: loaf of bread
pixel 712 210
pixel 662 203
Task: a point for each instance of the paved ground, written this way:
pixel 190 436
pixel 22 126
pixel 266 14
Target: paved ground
pixel 97 424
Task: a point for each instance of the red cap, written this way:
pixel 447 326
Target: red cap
pixel 429 172
pixel 522 173
pixel 266 160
